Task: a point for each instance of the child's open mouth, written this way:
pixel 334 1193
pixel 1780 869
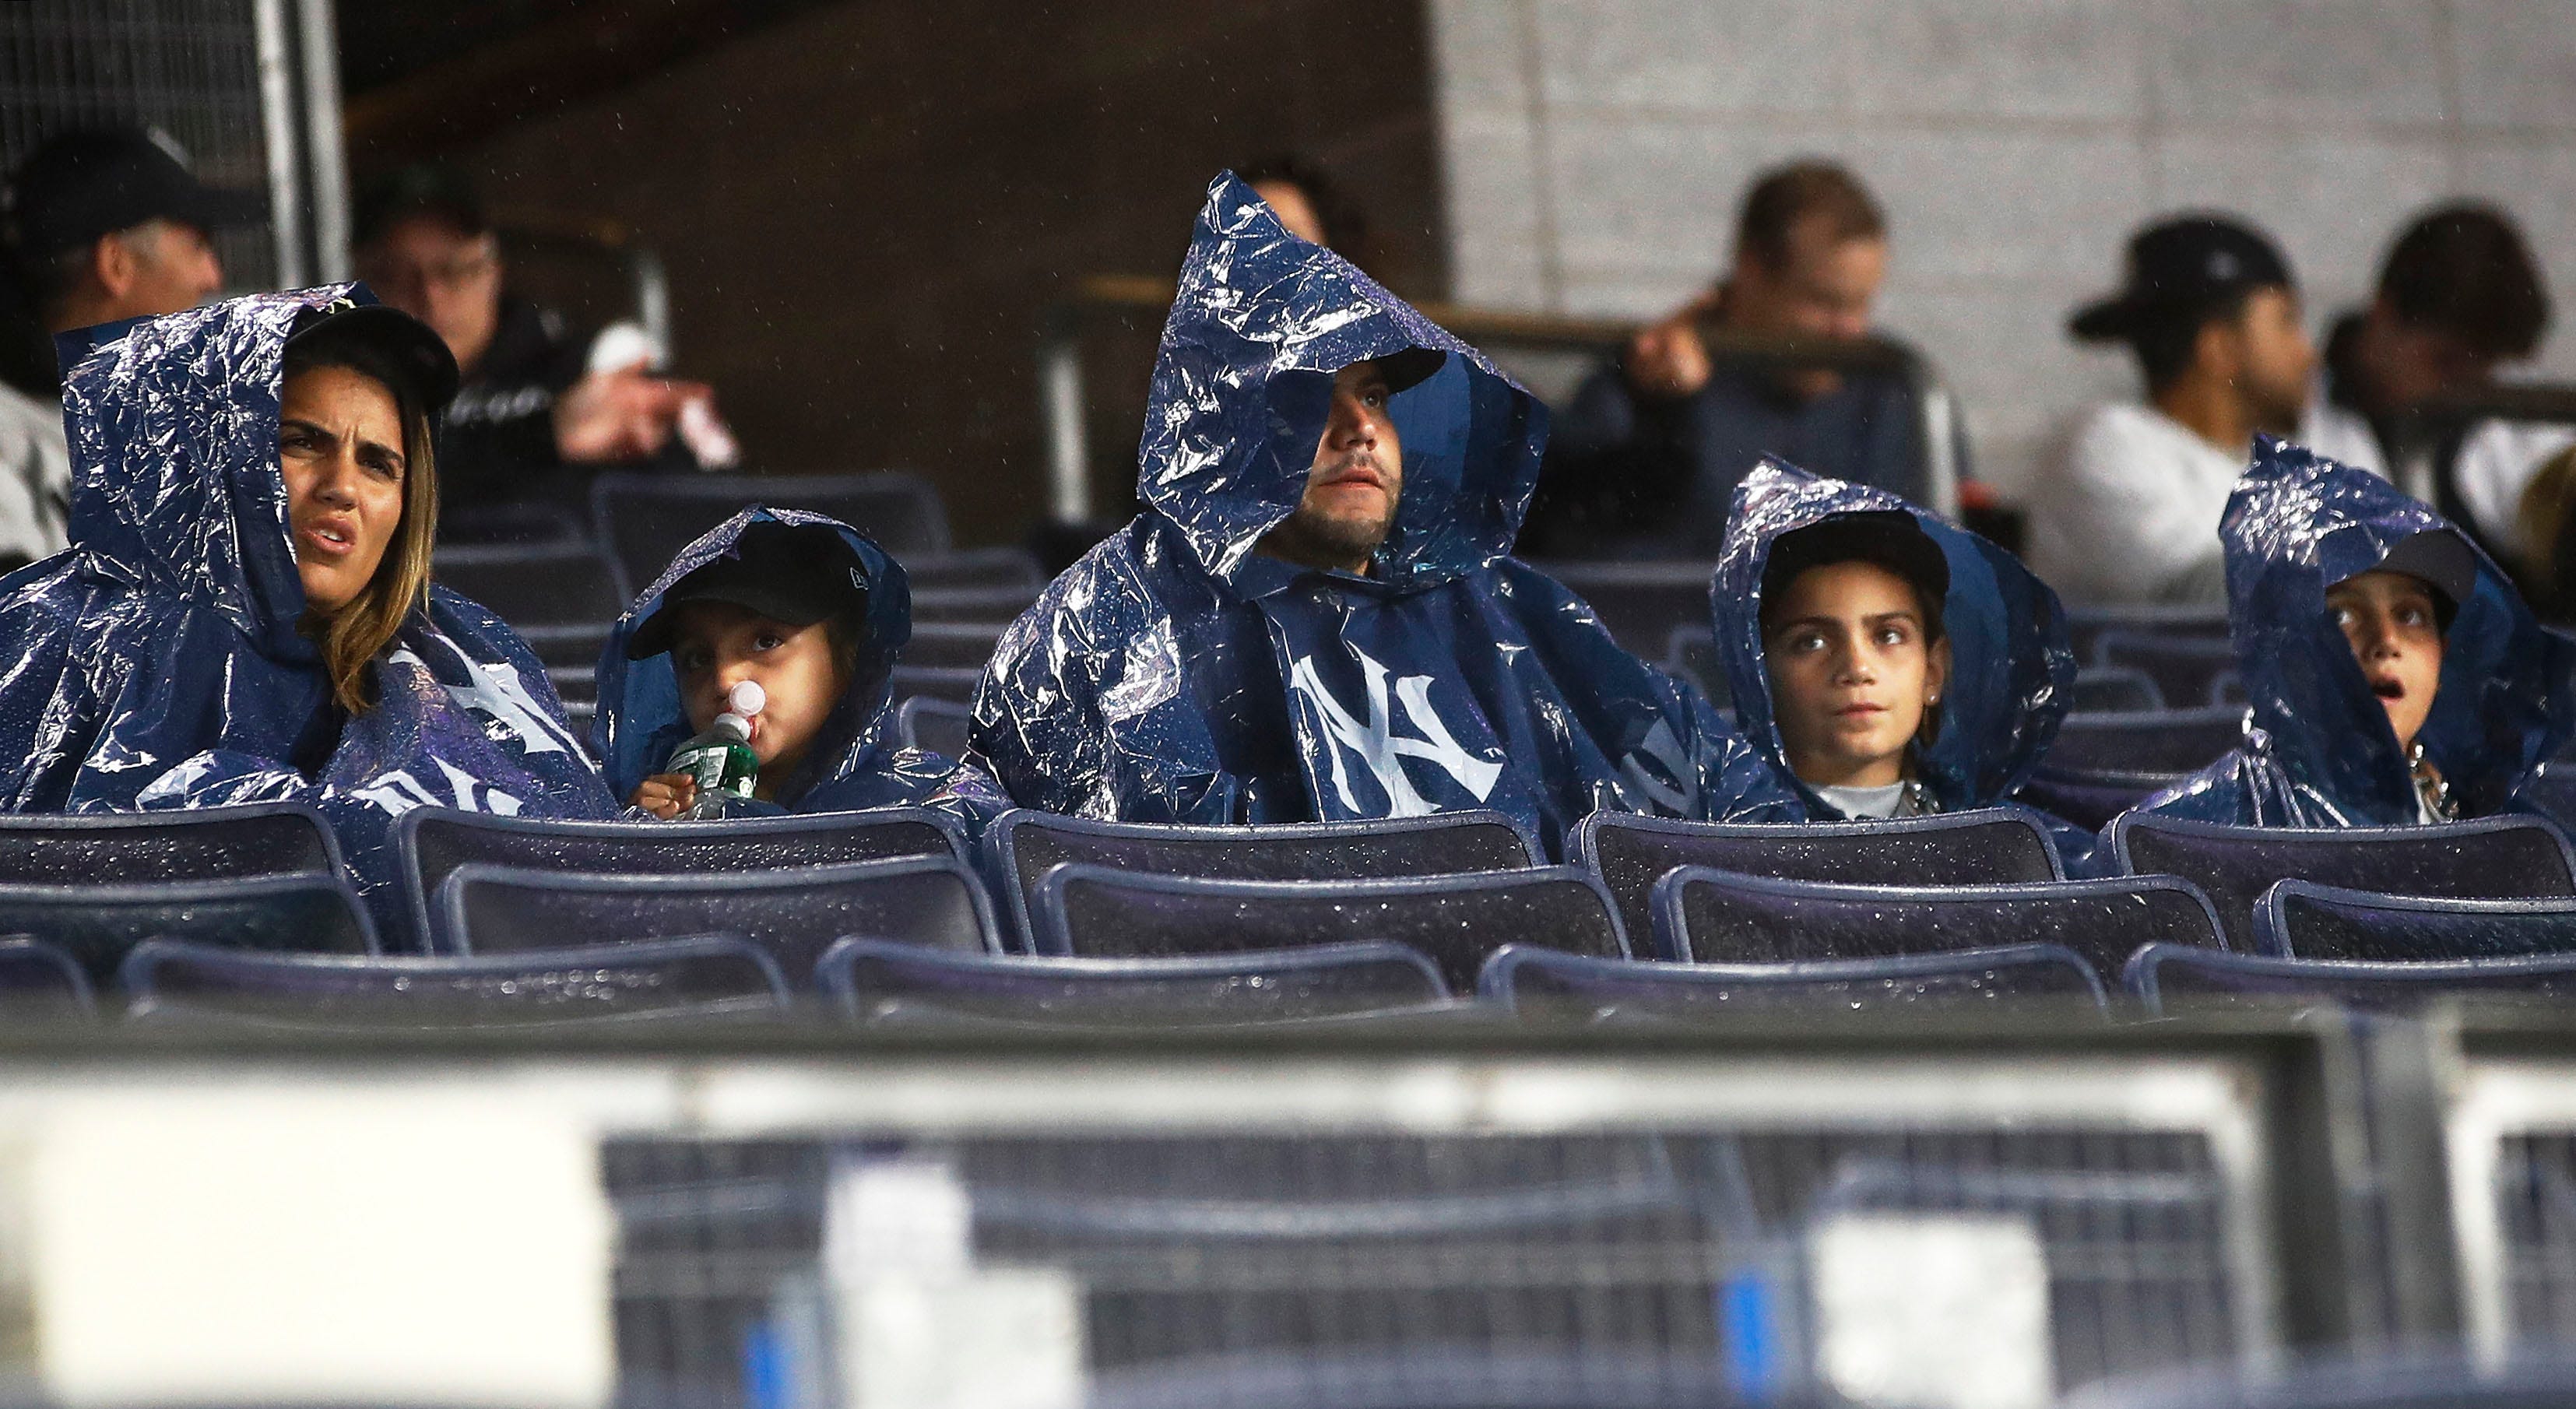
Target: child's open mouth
pixel 2388 689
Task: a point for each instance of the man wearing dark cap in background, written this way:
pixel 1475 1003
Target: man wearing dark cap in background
pixel 542 408
pixel 102 226
pixel 2131 514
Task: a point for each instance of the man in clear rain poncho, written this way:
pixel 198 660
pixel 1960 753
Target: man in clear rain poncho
pixel 1316 616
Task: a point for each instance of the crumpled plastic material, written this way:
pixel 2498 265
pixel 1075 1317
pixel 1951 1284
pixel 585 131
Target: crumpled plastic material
pixel 2318 749
pixel 155 664
pixel 853 763
pixel 2012 665
pixel 1176 675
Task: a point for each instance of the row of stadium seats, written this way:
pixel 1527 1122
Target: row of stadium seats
pixel 1910 910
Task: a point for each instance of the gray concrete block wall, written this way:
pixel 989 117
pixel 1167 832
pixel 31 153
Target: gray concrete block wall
pixel 1595 151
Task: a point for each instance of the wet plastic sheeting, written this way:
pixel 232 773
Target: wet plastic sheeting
pixel 2493 859
pixel 879 982
pixel 1457 921
pixel 98 924
pixel 1732 920
pixel 2314 926
pixel 97 849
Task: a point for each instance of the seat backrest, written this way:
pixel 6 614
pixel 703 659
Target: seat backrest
pixel 574 684
pixel 792 915
pixel 1640 601
pixel 558 647
pixel 875 981
pixel 1990 846
pixel 2165 978
pixel 992 606
pixel 97 925
pixel 1455 920
pixel 955 684
pixel 2091 800
pixel 1552 983
pixel 524 523
pixel 1717 917
pixel 2184 667
pixel 562 585
pixel 2086 626
pixel 698 977
pixel 952 645
pixel 1023 845
pixel 39 979
pixel 974 568
pixel 937 725
pixel 2113 689
pixel 2305 920
pixel 644 520
pixel 2171 741
pixel 2491 858
pixel 434 841
pixel 200 844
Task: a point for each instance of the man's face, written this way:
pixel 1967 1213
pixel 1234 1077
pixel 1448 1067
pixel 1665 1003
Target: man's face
pixel 1354 483
pixel 2273 359
pixel 442 276
pixel 167 268
pixel 1824 289
pixel 2397 636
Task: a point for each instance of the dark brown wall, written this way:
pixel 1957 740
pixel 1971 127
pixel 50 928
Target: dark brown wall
pixel 864 209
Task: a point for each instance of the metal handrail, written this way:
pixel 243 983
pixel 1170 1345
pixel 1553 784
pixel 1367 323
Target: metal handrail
pixel 1101 297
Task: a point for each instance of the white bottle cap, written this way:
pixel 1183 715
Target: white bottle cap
pixel 747 698
pixel 733 726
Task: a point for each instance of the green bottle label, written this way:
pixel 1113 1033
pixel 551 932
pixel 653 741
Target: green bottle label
pixel 720 768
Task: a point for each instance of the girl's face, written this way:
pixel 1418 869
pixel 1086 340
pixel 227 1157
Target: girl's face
pixel 340 451
pixel 2396 634
pixel 1850 672
pixel 715 645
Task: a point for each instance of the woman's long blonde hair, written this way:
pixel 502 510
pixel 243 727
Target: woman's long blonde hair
pixel 351 638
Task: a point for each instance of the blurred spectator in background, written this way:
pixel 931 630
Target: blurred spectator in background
pixel 104 225
pixel 2130 515
pixel 1646 459
pixel 1307 200
pixel 542 408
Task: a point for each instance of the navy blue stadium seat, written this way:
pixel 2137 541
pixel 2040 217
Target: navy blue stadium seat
pixel 973 568
pixel 2187 669
pixel 955 684
pixel 1023 845
pixel 1640 601
pixel 696 978
pixel 575 684
pixel 2170 741
pixel 793 915
pixel 937 725
pixel 952 645
pixel 643 520
pixel 1990 846
pixel 433 841
pixel 559 585
pixel 1548 982
pixel 2086 626
pixel 2113 689
pixel 39 980
pixel 995 606
pixel 577 644
pixel 875 981
pixel 1455 920
pixel 2491 858
pixel 1691 653
pixel 1718 917
pixel 199 844
pixel 526 523
pixel 98 924
pixel 2166 977
pixel 2301 919
pixel 2091 799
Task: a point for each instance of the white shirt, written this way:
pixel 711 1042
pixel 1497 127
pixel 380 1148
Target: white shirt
pixel 1865 802
pixel 35 476
pixel 2131 515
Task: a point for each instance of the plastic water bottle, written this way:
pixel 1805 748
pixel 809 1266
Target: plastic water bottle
pixel 721 760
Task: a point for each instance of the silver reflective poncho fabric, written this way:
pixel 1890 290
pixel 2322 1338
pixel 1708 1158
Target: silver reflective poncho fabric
pixel 853 762
pixel 1176 675
pixel 2318 749
pixel 156 663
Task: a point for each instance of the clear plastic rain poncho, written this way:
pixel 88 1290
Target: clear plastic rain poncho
pixel 1177 675
pixel 2318 750
pixel 853 763
pixel 156 662
pixel 2011 662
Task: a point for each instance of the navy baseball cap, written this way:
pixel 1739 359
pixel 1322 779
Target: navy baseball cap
pixel 81 185
pixel 413 348
pixel 794 573
pixel 2181 264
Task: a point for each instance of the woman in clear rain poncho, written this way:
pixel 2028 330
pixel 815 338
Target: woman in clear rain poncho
pixel 245 613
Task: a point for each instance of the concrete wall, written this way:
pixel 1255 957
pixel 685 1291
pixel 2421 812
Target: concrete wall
pixel 1596 150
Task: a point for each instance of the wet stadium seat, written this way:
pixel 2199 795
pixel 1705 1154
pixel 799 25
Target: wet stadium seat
pixel 199 844
pixel 432 842
pixel 1023 845
pixel 561 585
pixel 2113 690
pixel 874 981
pixel 975 568
pixel 40 980
pixel 695 978
pixel 1547 982
pixel 2188 670
pixel 2165 977
pixel 1641 602
pixel 643 520
pixel 98 924
pixel 524 524
pixel 952 645
pixel 937 725
pixel 574 684
pixel 952 683
pixel 2492 858
pixel 2091 799
pixel 992 606
pixel 2301 919
pixel 793 915
pixel 1718 917
pixel 1990 846
pixel 1455 920
pixel 2170 741
pixel 572 645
